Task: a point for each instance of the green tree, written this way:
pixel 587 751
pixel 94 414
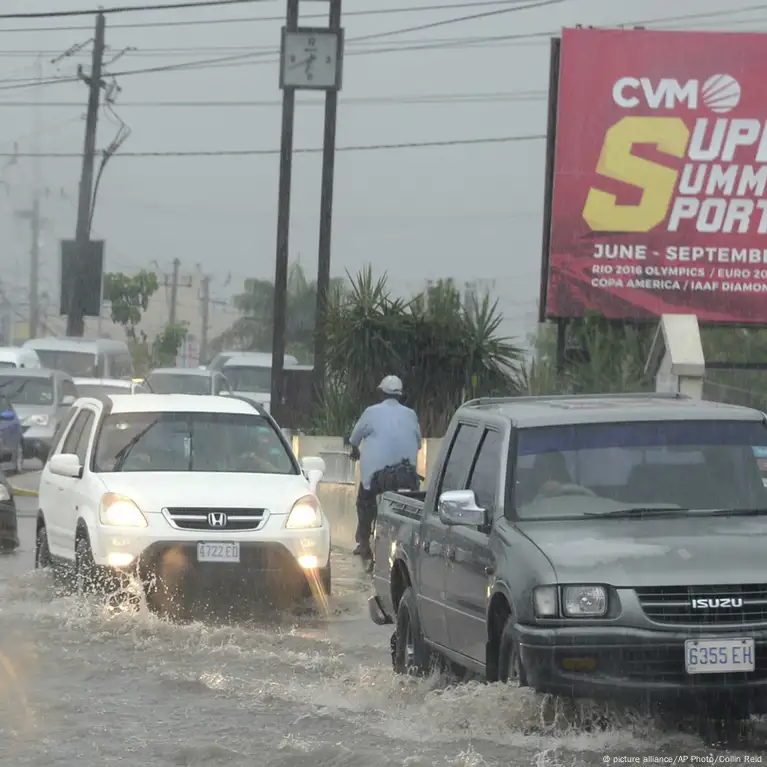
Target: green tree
pixel 166 346
pixel 444 352
pixel 253 329
pixel 129 297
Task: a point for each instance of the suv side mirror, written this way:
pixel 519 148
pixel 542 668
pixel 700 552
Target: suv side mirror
pixel 458 508
pixel 67 400
pixel 66 465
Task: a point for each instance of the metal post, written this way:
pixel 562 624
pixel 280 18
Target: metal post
pixel 174 292
pixel 283 233
pixel 326 221
pixel 76 315
pixel 205 300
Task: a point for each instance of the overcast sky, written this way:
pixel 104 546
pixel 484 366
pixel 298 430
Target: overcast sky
pixel 470 212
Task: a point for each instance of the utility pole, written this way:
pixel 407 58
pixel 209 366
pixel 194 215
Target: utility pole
pixel 283 228
pixel 76 315
pixel 326 218
pixel 204 311
pixel 174 292
pixel 33 216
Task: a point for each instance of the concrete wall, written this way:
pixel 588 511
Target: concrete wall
pixel 338 489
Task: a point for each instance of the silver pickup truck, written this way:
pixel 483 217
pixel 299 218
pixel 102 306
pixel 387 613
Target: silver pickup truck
pixel 598 546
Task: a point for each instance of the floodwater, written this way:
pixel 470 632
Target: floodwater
pixel 84 685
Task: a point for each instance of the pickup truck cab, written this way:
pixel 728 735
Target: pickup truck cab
pixel 592 546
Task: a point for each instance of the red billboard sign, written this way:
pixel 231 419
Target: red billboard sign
pixel 659 180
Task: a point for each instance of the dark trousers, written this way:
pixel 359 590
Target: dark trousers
pixel 367 508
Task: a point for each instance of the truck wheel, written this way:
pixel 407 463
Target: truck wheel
pixel 410 654
pixel 510 668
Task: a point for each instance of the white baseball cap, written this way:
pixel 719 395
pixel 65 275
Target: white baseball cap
pixel 391 385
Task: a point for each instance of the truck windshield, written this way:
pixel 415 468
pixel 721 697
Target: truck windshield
pixel 183 442
pixel 585 469
pixel 75 363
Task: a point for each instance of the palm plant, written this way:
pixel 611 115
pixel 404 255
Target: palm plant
pixel 444 352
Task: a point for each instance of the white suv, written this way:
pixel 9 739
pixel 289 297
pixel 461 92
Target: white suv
pixel 182 490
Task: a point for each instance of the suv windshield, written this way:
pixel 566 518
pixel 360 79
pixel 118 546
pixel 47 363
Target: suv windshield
pixel 27 391
pixel 170 383
pixel 181 442
pixel 588 469
pixel 249 379
pixel 75 363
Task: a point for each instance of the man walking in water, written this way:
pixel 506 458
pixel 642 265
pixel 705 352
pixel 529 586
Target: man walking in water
pixel 392 438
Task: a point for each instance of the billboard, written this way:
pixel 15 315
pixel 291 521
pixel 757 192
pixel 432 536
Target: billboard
pixel 658 176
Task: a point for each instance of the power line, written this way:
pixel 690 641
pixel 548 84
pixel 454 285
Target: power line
pixel 250 19
pixel 306 150
pixel 433 98
pixel 262 57
pixel 128 9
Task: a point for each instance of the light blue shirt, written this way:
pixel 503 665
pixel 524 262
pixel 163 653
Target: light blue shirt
pixel 391 433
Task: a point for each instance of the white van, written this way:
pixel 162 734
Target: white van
pixel 250 373
pixel 81 358
pixel 19 357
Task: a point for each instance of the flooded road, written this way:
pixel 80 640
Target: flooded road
pixel 81 685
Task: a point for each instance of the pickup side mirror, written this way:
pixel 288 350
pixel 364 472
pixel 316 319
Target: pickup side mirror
pixel 459 508
pixel 67 400
pixel 66 465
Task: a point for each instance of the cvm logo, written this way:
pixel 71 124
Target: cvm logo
pixel 720 93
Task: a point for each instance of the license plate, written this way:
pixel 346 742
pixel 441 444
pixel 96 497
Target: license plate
pixel 218 552
pixel 718 656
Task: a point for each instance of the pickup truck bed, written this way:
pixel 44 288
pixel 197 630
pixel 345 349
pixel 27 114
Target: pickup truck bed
pixel 397 526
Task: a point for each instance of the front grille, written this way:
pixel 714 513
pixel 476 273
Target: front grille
pixel 210 520
pixel 729 605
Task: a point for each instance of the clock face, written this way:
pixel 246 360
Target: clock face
pixel 310 59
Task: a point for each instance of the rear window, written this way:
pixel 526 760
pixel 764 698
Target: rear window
pixel 696 465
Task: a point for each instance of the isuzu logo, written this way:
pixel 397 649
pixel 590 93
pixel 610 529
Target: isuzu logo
pixel 217 519
pixel 704 604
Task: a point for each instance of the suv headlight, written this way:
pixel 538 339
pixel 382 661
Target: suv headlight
pixel 584 601
pixel 305 514
pixel 119 511
pixel 36 420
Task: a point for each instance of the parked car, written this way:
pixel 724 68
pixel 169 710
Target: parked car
pixel 88 387
pixel 9 532
pixel 41 398
pixel 11 437
pixel 182 490
pixel 599 546
pixel 19 357
pixel 187 381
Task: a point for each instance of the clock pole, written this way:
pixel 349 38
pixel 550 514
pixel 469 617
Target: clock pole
pixel 326 216
pixel 283 232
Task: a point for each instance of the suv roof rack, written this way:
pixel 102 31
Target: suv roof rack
pixel 480 401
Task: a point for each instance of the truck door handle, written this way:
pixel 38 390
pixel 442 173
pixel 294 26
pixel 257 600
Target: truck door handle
pixel 489 570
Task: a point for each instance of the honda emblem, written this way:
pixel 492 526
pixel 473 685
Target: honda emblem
pixel 217 519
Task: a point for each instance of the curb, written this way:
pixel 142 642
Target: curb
pixel 24 493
